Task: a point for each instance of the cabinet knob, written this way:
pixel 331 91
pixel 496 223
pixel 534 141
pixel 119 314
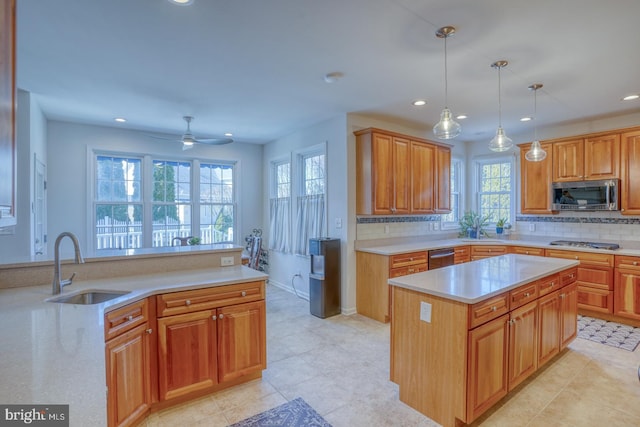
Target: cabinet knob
pixel 187 302
pixel 411 270
pixel 129 318
pixel 494 308
pixel 214 317
pixel 577 257
pixel 221 316
pixel 635 262
pixel 526 252
pixel 149 331
pixel 562 296
pixel 551 285
pixel 527 295
pixel 244 294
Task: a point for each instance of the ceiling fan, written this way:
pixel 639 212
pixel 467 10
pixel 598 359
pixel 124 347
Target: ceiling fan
pixel 188 140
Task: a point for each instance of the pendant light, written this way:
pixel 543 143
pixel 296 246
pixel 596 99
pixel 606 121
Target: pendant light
pixel 500 142
pixel 446 128
pixel 535 153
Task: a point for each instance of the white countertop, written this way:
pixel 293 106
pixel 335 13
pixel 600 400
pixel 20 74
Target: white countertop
pixel 627 248
pixel 475 281
pixel 52 353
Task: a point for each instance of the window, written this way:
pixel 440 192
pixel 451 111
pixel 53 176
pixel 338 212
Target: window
pixel 313 173
pixel 217 203
pixel 118 202
pixel 282 179
pixel 181 199
pixel 280 206
pixel 310 209
pixel 495 188
pixel 450 220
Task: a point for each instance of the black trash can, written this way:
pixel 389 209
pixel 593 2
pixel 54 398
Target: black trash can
pixel 324 279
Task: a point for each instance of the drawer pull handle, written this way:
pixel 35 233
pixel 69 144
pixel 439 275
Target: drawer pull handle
pixel 494 308
pixel 187 302
pixel 244 294
pixel 552 284
pixel 562 296
pixel 214 317
pixel 526 252
pixel 635 262
pixel 129 318
pixel 149 331
pixel 221 316
pixel 527 295
pixel 577 257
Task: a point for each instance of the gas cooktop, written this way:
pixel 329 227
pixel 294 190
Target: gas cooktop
pixel 594 245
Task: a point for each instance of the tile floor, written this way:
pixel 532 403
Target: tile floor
pixel 340 366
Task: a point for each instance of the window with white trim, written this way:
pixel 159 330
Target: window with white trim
pixel 171 201
pixel 496 186
pixel 451 219
pixel 310 204
pixel 280 206
pixel 217 203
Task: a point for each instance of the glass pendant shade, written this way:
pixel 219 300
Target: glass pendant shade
pixel 500 142
pixel 446 128
pixel 535 153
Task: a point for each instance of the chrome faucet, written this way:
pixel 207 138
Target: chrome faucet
pixel 57 282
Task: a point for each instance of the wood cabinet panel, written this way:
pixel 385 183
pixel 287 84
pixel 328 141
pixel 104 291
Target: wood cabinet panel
pixel 630 173
pixel 568 160
pixel 462 254
pixel 443 180
pixel 242 343
pixel 595 299
pixel 488 359
pixel 591 258
pixel 627 293
pixel 549 284
pixel 523 295
pixel 125 318
pixel 486 251
pixel 568 314
pixel 401 191
pixel 535 181
pixel 526 250
pixel 410 258
pixel 602 157
pixel 423 177
pixel 523 343
pixel 8 101
pixel 549 336
pixel 489 309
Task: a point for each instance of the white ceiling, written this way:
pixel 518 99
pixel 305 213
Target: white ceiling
pixel 256 67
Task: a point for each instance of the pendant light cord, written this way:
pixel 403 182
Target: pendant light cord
pixel 535 114
pixel 499 99
pixel 446 83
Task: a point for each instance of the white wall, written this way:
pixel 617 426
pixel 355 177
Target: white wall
pixel 68 148
pixel 283 267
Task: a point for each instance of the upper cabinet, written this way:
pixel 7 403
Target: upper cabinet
pixel 535 180
pixel 630 182
pixel 591 158
pixel 7 112
pixel 399 174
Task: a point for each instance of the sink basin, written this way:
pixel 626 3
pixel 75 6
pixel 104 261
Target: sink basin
pixel 88 297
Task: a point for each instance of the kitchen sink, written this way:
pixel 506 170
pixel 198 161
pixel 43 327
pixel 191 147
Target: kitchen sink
pixel 88 297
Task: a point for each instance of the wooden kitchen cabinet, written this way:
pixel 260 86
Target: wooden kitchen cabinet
pixel 630 170
pixel 461 254
pixel 523 343
pixel 627 287
pixel 486 251
pixel 8 101
pixel 526 250
pixel 568 314
pixel 129 360
pixel 549 337
pixel 400 174
pixel 591 158
pixel 535 181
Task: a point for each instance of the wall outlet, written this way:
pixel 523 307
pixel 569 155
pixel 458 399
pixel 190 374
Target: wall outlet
pixel 226 261
pixel 532 227
pixel 436 226
pixel 338 222
pixel 425 312
pixel 386 229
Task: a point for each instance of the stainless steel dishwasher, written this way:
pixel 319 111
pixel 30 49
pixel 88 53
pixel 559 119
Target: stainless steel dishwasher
pixel 441 257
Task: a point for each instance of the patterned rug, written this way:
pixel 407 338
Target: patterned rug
pixel 609 333
pixel 295 413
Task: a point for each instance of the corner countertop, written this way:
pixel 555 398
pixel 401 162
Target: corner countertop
pixel 476 281
pixel 52 353
pixel 626 248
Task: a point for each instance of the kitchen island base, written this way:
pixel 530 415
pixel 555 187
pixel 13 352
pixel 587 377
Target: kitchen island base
pixel 454 360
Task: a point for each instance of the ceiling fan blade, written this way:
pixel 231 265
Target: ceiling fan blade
pixel 174 139
pixel 215 141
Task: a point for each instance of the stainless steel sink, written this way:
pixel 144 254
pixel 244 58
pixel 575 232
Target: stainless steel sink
pixel 88 297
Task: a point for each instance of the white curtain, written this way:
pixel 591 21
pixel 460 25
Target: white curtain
pixel 280 224
pixel 309 222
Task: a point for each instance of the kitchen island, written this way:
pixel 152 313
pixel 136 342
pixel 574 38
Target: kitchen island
pixel 464 336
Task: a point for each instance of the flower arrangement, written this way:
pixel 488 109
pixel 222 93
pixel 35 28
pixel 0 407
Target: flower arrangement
pixel 472 225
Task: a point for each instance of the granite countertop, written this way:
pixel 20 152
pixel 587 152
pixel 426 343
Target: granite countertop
pixel 53 353
pixel 476 281
pixel 626 248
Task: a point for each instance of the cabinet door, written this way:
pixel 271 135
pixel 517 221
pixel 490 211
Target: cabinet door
pixel 443 180
pixel 382 173
pixel 487 366
pixel 242 347
pixel 523 343
pixel 568 314
pixel 187 359
pixel 8 113
pixel 128 363
pixel 627 294
pixel 602 157
pixel 549 336
pixel 401 179
pixel 535 181
pixel 568 160
pixel 423 177
pixel 630 182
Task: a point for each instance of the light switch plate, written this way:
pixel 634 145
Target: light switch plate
pixel 425 312
pixel 226 261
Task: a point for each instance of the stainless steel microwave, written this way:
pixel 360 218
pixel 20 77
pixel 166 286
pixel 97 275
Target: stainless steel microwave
pixel 603 195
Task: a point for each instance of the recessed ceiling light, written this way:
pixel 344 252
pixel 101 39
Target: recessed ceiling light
pixel 228 134
pixel 419 102
pixel 333 77
pixel 631 97
pixel 526 119
pixel 461 116
pixel 120 119
pixel 181 2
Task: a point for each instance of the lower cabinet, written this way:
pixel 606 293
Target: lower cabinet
pixel 523 343
pixel 206 340
pixel 627 287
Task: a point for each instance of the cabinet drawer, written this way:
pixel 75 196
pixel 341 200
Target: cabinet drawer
pixel 404 260
pixel 584 257
pixel 461 254
pixel 487 310
pixel 203 299
pixel 568 277
pixel 488 250
pixel 403 271
pixel 125 318
pixel 595 299
pixel 550 284
pixel 526 250
pixel 522 295
pixel 627 262
pixel 596 277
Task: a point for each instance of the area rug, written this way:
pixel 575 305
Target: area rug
pixel 609 333
pixel 295 413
